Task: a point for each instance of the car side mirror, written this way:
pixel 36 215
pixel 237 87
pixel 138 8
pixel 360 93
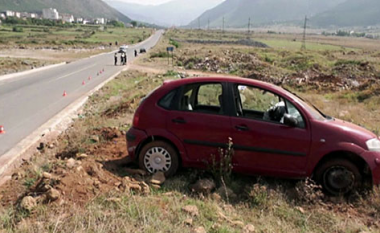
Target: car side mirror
pixel 290 120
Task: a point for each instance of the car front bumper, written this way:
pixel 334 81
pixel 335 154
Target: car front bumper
pixel 373 161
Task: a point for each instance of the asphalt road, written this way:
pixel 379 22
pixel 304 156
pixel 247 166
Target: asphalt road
pixel 28 101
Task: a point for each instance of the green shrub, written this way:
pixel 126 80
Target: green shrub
pixel 17 29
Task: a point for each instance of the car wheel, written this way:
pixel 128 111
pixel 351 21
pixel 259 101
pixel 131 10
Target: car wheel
pixel 159 156
pixel 338 177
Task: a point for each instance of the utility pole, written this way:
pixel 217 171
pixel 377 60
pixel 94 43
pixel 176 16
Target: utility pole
pixel 303 47
pixel 223 25
pixel 249 25
pixel 208 24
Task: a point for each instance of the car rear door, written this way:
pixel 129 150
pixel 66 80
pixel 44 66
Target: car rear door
pixel 263 143
pixel 200 121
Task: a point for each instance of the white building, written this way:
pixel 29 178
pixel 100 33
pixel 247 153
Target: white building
pixel 67 18
pixel 2 15
pixel 100 21
pixel 10 13
pixel 50 14
pixel 18 14
pixel 79 20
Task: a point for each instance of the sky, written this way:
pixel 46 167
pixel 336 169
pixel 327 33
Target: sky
pixel 147 2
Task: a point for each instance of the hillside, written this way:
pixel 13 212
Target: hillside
pixel 177 12
pixel 79 8
pixel 237 12
pixel 350 13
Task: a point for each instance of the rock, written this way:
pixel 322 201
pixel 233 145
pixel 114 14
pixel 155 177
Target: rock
pixel 18 175
pixel 95 138
pixel 191 209
pixel 216 197
pixel 226 192
pixel 47 175
pixel 158 178
pixel 300 209
pixel 28 203
pixel 51 146
pixel 114 199
pixel 156 186
pixel 188 221
pixel 70 163
pixel 203 186
pixel 52 194
pixel 136 172
pixel 237 223
pixel 198 230
pixel 81 156
pixel 145 188
pixel 249 228
pixel 80 168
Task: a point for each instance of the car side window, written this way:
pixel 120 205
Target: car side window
pixel 204 97
pixel 264 105
pixel 167 101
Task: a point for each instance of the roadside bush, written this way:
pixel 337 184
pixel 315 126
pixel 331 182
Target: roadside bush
pixel 174 43
pixel 17 29
pixel 170 73
pixel 159 54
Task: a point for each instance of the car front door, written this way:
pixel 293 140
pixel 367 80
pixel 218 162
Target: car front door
pixel 263 143
pixel 200 121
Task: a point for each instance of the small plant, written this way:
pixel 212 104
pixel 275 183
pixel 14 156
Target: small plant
pixel 159 54
pixel 221 167
pixel 29 182
pixel 17 29
pixel 174 43
pixel 309 192
pixel 258 195
pixel 170 73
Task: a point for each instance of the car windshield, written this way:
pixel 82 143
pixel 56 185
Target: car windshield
pixel 315 112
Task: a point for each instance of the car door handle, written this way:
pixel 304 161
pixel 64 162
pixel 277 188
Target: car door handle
pixel 179 121
pixel 242 128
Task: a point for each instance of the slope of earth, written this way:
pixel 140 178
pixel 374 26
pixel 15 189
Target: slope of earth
pixel 350 13
pixel 82 8
pixel 178 12
pixel 237 12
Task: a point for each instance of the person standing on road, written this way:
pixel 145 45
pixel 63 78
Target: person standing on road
pixel 135 53
pixel 115 59
pixel 122 58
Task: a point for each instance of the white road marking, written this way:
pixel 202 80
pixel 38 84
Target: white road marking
pixel 73 73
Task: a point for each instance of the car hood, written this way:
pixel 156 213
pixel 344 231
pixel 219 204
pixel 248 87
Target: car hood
pixel 358 134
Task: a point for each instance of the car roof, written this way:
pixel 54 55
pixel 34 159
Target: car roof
pixel 244 81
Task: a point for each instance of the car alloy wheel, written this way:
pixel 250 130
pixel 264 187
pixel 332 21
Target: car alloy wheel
pixel 157 159
pixel 159 156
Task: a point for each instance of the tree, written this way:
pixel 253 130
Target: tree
pixel 134 23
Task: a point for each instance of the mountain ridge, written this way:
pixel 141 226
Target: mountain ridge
pixel 237 12
pixel 79 8
pixel 176 12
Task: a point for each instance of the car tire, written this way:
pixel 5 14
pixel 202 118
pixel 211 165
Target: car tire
pixel 159 156
pixel 338 177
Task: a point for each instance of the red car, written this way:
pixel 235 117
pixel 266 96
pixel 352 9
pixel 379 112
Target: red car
pixel 274 132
